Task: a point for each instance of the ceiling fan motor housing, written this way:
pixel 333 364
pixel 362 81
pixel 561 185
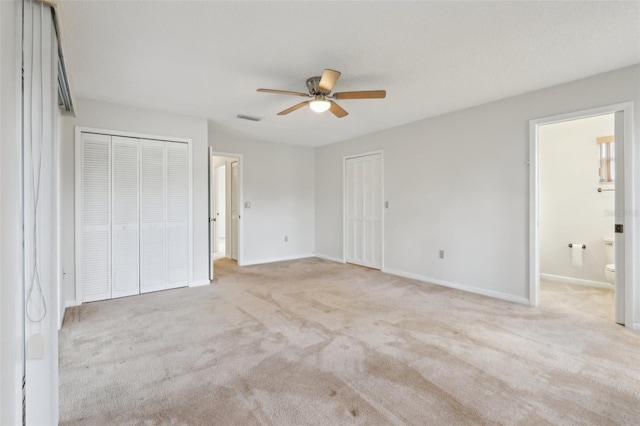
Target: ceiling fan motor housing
pixel 312 85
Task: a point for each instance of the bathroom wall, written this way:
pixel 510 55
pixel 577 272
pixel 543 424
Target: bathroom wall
pixel 571 208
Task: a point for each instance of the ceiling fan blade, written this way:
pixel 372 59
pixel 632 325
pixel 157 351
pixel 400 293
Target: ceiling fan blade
pixel 293 108
pixel 337 110
pixel 362 94
pixel 328 80
pixel 284 92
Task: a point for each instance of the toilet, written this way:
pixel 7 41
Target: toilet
pixel 610 257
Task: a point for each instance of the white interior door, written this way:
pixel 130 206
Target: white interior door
pixel 153 271
pixel 364 210
pixel 235 210
pixel 93 250
pixel 124 226
pixel 212 209
pixel 619 218
pixel 177 215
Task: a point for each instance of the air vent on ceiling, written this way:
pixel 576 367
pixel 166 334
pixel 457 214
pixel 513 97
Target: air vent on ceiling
pixel 248 117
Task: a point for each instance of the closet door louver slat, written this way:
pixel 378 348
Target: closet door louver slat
pixel 153 271
pixel 95 251
pixel 177 215
pixel 124 228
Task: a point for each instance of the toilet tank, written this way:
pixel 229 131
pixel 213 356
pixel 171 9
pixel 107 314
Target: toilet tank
pixel 610 250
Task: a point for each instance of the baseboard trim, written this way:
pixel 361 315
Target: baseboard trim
pixel 476 290
pixel 200 283
pixel 330 258
pixel 277 259
pixel 578 281
pixel 67 304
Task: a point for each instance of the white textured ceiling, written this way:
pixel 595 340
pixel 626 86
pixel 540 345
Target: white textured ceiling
pixel 207 59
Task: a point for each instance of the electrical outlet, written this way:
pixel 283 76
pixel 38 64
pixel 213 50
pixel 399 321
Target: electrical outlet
pixel 286 238
pixel 441 254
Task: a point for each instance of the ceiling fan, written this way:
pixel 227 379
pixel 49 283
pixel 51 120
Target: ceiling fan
pixel 320 90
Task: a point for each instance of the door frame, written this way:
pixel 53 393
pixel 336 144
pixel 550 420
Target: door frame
pixel 630 163
pixel 216 205
pixel 78 194
pixel 239 157
pixel 344 203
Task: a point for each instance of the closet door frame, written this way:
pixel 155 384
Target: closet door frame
pixel 78 195
pixel 344 203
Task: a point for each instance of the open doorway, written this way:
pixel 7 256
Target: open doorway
pixel 576 215
pixel 612 185
pixel 225 196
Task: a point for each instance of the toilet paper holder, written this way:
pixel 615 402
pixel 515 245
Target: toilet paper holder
pixel 584 246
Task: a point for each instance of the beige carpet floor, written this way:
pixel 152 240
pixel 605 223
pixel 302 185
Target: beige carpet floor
pixel 311 342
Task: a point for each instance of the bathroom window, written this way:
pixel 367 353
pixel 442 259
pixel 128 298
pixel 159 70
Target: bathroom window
pixel 607 158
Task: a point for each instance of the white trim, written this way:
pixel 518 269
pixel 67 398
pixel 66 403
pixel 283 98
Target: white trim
pixel 240 200
pixel 470 289
pixel 77 162
pixel 200 283
pixel 192 219
pixel 329 258
pixel 57 164
pixel 67 304
pixel 84 129
pixel 278 259
pixel 344 202
pixel 578 281
pixel 78 130
pixel 631 187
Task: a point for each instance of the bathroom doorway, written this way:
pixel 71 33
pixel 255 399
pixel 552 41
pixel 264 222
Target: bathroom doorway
pixel 225 198
pixel 576 215
pixel 575 212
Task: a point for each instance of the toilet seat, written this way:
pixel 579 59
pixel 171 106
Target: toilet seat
pixel 611 267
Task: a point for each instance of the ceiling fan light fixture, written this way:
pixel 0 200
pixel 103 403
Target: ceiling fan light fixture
pixel 319 90
pixel 319 104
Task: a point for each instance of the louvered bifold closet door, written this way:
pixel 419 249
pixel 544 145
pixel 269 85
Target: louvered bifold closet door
pixel 177 215
pixel 153 271
pixel 125 220
pixel 94 250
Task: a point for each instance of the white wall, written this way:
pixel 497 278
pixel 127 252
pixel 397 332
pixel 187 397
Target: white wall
pixel 11 313
pixel 571 208
pixel 460 182
pixel 108 116
pixel 278 181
